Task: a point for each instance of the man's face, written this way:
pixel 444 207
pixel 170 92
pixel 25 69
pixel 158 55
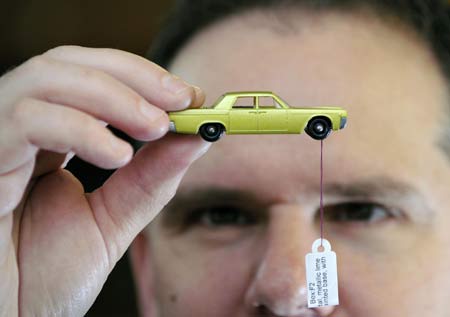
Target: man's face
pixel 233 241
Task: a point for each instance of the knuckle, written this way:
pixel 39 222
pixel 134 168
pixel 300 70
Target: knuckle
pixel 21 110
pixel 107 50
pixel 87 122
pixel 91 74
pixel 36 64
pixel 59 50
pixel 85 72
pixel 88 126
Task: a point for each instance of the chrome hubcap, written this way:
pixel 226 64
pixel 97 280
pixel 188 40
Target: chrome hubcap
pixel 212 130
pixel 319 127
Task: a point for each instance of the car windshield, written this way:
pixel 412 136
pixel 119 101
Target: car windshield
pixel 216 102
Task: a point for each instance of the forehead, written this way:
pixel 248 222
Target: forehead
pixel 382 74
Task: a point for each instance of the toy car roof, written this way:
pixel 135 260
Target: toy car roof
pixel 248 93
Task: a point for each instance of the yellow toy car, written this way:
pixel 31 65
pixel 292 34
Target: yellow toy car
pixel 256 112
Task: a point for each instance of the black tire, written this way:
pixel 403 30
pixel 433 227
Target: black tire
pixel 318 128
pixel 211 132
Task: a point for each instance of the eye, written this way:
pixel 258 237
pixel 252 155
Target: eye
pixel 221 216
pixel 357 212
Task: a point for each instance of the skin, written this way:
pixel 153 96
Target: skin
pixel 58 244
pixel 244 256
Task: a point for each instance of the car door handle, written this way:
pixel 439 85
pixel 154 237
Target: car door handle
pixel 263 112
pixel 253 112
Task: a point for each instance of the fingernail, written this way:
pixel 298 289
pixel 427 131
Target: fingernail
pixel 150 112
pixel 174 84
pixel 183 92
pixel 185 97
pixel 121 150
pixel 199 97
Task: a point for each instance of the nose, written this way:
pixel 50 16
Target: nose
pixel 278 286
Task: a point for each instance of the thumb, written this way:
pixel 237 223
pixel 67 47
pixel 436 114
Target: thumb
pixel 136 193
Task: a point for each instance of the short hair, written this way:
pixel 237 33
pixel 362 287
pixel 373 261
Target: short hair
pixel 429 18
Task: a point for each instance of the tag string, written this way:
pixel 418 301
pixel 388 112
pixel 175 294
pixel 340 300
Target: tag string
pixel 321 193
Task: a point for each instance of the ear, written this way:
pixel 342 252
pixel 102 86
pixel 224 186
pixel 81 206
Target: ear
pixel 142 272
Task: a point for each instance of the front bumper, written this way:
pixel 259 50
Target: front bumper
pixel 172 127
pixel 343 122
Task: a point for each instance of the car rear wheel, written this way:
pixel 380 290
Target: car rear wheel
pixel 211 132
pixel 318 128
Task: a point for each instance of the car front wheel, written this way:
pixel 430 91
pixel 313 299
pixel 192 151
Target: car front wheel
pixel 211 132
pixel 318 128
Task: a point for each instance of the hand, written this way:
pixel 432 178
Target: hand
pixel 57 244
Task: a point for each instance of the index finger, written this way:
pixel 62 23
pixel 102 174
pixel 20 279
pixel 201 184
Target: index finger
pixel 151 81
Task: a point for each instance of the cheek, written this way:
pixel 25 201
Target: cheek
pixel 192 279
pixel 412 281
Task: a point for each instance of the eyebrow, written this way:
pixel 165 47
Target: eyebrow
pixel 389 191
pixel 373 187
pixel 364 189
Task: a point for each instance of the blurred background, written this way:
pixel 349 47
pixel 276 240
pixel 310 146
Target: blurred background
pixel 30 27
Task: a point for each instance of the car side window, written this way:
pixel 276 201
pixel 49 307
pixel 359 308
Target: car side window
pixel 244 103
pixel 269 102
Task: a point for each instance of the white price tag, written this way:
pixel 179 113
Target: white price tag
pixel 321 276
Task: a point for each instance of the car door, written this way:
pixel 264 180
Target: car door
pixel 243 115
pixel 272 117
